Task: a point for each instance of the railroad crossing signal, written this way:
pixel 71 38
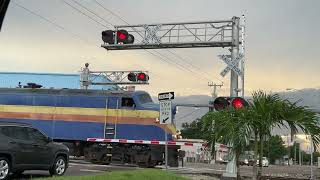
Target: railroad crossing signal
pixel 231 64
pixel 221 103
pixel 135 77
pixel 117 37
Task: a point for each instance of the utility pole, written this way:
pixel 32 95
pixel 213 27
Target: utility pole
pixel 214 96
pixel 214 85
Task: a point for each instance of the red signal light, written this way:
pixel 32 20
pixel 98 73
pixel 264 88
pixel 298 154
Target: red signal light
pixel 142 77
pixel 239 103
pixel 121 36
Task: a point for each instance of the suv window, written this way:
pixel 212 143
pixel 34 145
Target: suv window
pixel 36 135
pixel 23 133
pixel 15 132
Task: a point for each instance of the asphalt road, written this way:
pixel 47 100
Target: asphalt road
pixel 194 171
pixel 78 168
pixel 274 171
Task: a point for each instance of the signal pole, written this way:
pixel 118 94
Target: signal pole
pixel 231 169
pixel 234 55
pixel 177 35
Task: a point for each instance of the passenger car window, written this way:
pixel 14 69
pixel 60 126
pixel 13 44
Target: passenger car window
pixel 127 102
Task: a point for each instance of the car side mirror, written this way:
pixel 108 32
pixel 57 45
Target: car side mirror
pixel 49 139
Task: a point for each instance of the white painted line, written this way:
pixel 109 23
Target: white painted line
pixel 89 165
pixel 91 170
pixel 193 169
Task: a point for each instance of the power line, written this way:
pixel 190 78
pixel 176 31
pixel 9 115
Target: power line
pixel 108 10
pixel 192 65
pixel 111 12
pixel 51 22
pixel 184 68
pixel 92 12
pixel 79 11
pixel 163 59
pixel 58 26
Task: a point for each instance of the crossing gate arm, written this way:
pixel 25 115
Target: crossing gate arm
pixel 127 141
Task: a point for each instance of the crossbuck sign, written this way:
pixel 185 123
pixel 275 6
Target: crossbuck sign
pixel 231 64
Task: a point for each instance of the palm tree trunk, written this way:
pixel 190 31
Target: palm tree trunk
pixel 238 165
pixel 260 156
pixel 255 176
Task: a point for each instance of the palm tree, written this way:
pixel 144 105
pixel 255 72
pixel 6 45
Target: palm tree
pixel 266 111
pixel 232 127
pixel 272 111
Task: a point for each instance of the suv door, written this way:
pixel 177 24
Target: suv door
pixel 42 152
pixel 20 145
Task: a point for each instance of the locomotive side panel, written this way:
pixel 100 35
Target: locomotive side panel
pixel 78 117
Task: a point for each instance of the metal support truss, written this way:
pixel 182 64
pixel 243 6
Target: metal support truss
pixel 177 35
pixel 112 78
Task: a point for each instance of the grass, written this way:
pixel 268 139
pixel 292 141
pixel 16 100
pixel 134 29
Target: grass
pixel 148 174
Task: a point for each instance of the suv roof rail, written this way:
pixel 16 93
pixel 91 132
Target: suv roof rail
pixel 14 123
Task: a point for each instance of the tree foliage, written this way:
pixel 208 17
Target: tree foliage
pixel 193 130
pixel 266 111
pixel 274 148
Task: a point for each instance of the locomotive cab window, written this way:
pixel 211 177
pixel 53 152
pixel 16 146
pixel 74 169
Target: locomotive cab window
pixel 127 103
pixel 145 98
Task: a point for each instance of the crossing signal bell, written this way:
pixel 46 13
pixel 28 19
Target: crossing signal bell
pixel 122 36
pixel 138 77
pixel 221 103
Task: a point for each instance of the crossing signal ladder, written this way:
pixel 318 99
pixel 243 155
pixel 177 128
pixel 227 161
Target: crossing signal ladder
pixel 221 103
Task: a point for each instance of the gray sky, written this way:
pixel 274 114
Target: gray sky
pixel 281 46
